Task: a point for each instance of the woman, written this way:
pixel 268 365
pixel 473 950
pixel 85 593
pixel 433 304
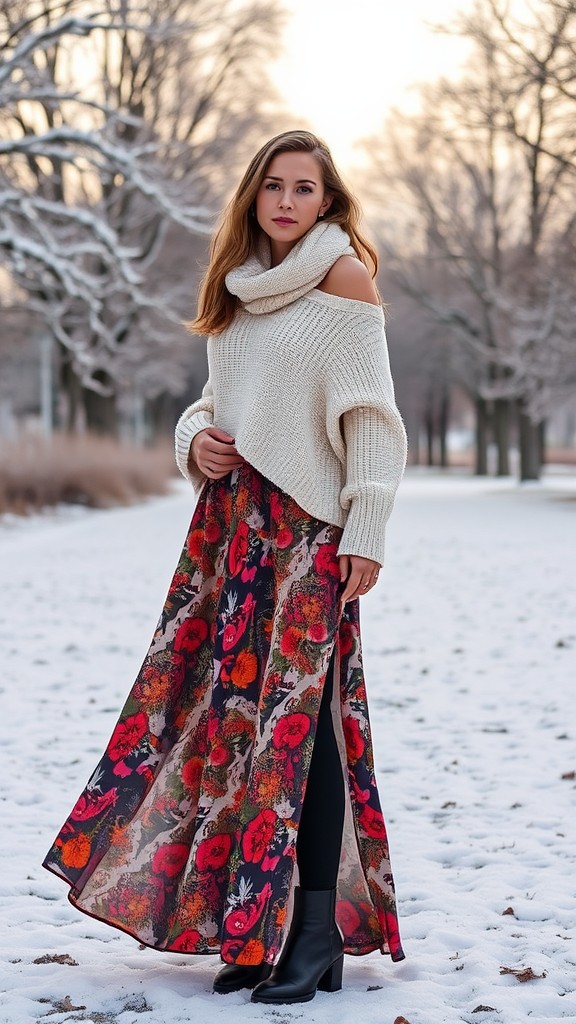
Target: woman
pixel 244 749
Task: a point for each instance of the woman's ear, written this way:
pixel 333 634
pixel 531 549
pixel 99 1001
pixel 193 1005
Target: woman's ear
pixel 325 205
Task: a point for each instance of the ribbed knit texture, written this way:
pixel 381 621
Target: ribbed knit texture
pixel 305 389
pixel 262 288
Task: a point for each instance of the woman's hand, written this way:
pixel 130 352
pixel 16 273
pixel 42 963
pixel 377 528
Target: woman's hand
pixel 360 575
pixel 214 453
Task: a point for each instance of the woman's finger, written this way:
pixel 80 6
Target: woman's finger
pixel 352 584
pixel 358 584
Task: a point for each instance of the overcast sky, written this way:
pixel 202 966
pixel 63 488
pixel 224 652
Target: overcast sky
pixel 345 65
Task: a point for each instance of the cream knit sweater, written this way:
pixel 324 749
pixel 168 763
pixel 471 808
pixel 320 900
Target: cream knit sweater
pixel 301 380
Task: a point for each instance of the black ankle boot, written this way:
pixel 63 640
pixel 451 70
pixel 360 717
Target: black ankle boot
pixel 233 977
pixel 312 957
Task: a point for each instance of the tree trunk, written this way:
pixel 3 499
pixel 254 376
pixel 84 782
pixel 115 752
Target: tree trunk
pixel 530 441
pixel 481 468
pixel 101 410
pixel 443 428
pixel 162 413
pixel 542 440
pixel 71 392
pixel 502 435
pixel 414 441
pixel 429 427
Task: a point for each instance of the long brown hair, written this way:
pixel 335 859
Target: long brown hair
pixel 237 235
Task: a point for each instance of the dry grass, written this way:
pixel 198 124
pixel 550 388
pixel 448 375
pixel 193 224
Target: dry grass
pixel 92 471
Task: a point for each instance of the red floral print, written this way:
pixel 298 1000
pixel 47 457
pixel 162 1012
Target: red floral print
pixel 170 859
pixel 216 736
pixel 326 561
pixel 242 919
pixel 127 735
pixel 284 537
pixel 187 942
pixel 291 730
pixel 220 756
pixel 372 822
pixel 258 835
pixel 291 641
pixel 212 532
pixel 317 633
pixel 190 635
pixel 354 739
pixel 90 804
pixel 238 549
pixel 347 916
pixel 213 852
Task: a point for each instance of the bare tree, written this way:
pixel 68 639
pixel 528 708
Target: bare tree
pixel 118 125
pixel 483 178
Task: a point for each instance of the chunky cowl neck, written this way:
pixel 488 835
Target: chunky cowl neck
pixel 262 288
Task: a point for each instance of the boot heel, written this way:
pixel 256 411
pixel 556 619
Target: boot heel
pixel 331 980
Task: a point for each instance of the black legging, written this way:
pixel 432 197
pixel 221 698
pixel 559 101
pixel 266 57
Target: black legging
pixel 320 830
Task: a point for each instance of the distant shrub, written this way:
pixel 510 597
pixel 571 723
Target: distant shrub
pixel 89 470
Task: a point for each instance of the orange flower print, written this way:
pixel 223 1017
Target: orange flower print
pixel 192 773
pixel 195 543
pixel 245 669
pixel 119 837
pixel 253 953
pixel 76 851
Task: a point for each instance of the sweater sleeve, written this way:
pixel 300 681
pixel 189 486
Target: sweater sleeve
pixel 195 418
pixel 374 439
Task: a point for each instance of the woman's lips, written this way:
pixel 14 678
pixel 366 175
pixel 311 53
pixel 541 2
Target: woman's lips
pixel 283 220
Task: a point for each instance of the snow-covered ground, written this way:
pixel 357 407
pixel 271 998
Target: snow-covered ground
pixel 470 653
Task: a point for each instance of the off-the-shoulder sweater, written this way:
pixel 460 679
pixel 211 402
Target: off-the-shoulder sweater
pixel 301 380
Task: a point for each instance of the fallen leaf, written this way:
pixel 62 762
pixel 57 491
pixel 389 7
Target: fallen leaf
pixel 509 912
pixel 374 988
pixel 449 803
pixel 401 1020
pixel 56 958
pixel 522 973
pixel 568 775
pixel 484 1009
pixel 67 1004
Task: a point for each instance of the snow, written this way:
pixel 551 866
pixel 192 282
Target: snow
pixel 470 654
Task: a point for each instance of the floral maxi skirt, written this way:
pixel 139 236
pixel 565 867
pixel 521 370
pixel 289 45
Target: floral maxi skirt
pixel 185 835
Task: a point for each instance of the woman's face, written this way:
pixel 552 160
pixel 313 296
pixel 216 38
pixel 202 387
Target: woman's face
pixel 290 198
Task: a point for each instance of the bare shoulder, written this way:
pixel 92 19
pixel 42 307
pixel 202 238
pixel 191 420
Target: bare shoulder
pixel 350 279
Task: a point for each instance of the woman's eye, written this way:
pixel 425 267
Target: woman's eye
pixel 304 188
pixel 271 185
